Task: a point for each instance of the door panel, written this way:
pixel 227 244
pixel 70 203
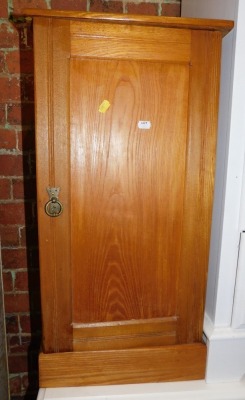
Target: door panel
pixel 127 188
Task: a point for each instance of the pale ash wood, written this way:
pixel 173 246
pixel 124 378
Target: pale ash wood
pixel 169 363
pixel 109 30
pixel 126 49
pixel 222 26
pixel 199 183
pixel 126 235
pixel 52 152
pixel 105 40
pixel 132 242
pixel 125 335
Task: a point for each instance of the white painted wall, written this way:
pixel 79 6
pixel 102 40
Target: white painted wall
pixel 225 232
pixel 225 306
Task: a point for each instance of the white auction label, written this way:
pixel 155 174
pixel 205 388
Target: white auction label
pixel 144 124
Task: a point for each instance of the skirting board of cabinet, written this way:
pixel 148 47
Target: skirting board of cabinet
pixel 143 365
pixel 191 390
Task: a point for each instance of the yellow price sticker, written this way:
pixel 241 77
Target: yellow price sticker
pixel 104 106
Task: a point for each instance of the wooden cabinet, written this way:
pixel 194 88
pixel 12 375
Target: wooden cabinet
pixel 126 118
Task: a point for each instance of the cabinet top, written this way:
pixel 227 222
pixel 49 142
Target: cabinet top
pixel 224 26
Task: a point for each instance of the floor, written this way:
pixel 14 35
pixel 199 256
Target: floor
pixel 197 390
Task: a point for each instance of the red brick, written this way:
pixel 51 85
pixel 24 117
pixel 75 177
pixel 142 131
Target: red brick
pixel 18 189
pixel 13 213
pixel 143 8
pixel 10 89
pixel 74 5
pixel 5 189
pixel 15 384
pixel 7 281
pixel 13 61
pixel 2 62
pixel 14 258
pixel 2 114
pixel 7 139
pixel 4 9
pixel 9 36
pixel 30 324
pixel 106 6
pixel 26 140
pixel 21 281
pixel 29 237
pixel 25 323
pixel 12 325
pixel 9 235
pixel 15 303
pixel 19 5
pixel 20 114
pixel 113 6
pixel 25 383
pixel 18 363
pixel 24 189
pixel 171 10
pixel 20 61
pixel 19 344
pixel 12 165
pixel 13 341
pixel 96 5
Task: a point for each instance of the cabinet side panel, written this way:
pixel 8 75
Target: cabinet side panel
pixel 52 148
pixel 203 110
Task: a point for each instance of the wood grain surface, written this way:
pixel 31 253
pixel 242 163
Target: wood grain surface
pixel 127 195
pixel 125 335
pixel 223 26
pixel 166 363
pixel 53 155
pixel 126 120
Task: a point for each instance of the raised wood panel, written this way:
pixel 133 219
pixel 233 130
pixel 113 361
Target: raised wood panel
pixel 52 51
pixel 200 168
pixel 126 49
pixel 110 30
pixel 129 42
pixel 127 196
pixel 166 363
pixel 125 335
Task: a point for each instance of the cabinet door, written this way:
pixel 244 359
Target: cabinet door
pixel 126 122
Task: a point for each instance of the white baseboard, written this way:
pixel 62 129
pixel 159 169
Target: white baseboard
pixel 161 391
pixel 226 353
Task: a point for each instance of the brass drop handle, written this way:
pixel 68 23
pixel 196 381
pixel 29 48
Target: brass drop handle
pixel 53 207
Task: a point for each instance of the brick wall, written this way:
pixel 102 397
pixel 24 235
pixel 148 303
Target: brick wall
pixel 17 179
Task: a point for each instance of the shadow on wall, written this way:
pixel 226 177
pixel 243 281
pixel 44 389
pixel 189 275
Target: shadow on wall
pixel 29 175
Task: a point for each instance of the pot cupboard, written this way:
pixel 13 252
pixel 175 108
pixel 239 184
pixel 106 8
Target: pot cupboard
pixel 126 121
